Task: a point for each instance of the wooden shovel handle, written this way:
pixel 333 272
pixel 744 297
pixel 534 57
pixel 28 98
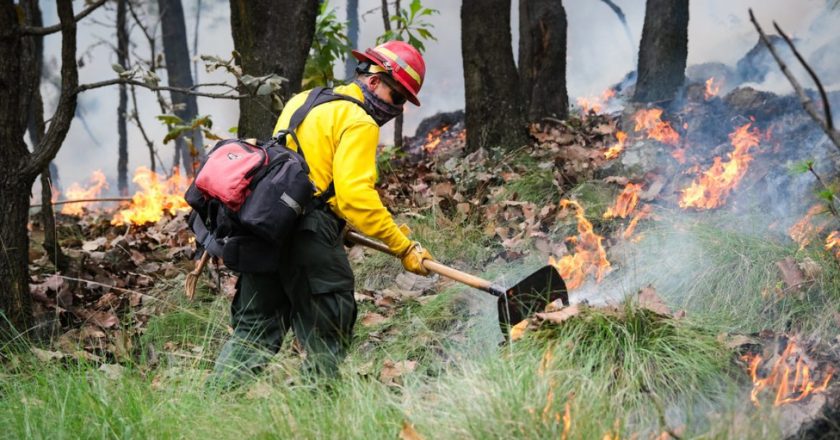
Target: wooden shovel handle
pixel 431 265
pixel 199 267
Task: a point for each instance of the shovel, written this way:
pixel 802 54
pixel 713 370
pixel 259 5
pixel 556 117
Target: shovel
pixel 516 303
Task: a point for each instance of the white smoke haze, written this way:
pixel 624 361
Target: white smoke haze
pixel 599 55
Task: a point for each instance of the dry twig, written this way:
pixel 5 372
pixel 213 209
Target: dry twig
pixel 826 125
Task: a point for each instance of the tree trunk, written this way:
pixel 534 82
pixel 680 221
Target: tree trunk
pixel 177 56
pixel 33 56
pixel 663 50
pixel 353 37
pixel 398 121
pixel 494 111
pixel 19 167
pixel 267 47
pixel 122 108
pixel 15 301
pixel 542 58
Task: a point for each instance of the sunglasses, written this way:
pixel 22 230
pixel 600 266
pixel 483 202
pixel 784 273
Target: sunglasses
pixel 396 97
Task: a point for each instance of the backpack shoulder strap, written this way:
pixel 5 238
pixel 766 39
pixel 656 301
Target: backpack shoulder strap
pixel 317 96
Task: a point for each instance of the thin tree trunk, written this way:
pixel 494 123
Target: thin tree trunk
pixel 494 111
pixel 177 56
pixel 398 121
pixel 353 37
pixel 122 108
pixel 36 127
pixel 19 167
pixel 663 51
pixel 195 41
pixel 263 49
pixel 542 58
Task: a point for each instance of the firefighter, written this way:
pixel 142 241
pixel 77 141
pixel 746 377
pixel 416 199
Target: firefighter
pixel 312 293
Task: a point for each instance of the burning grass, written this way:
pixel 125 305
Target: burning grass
pixel 724 273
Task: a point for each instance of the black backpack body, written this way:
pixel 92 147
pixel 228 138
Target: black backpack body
pixel 252 239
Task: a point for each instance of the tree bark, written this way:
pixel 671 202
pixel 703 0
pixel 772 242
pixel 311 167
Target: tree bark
pixel 177 56
pixel 267 47
pixel 33 56
pixel 494 111
pixel 663 51
pixel 122 107
pixel 542 58
pixel 353 37
pixel 19 167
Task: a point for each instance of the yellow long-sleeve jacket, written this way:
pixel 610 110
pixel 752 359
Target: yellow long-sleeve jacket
pixel 339 141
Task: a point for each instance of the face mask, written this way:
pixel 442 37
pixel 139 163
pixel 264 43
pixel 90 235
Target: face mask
pixel 381 111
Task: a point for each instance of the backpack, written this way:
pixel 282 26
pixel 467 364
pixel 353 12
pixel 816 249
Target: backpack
pixel 247 197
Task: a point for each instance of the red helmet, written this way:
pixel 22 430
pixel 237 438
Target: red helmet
pixel 402 61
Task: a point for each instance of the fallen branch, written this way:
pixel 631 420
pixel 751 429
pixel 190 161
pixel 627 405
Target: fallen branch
pixel 107 199
pixel 46 30
pixel 804 99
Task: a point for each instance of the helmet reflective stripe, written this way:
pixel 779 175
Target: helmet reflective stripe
pixel 396 58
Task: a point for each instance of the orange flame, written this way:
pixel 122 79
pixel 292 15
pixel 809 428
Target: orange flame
pixel 625 203
pixel 833 242
pixel 650 121
pixel 589 256
pixel 433 138
pixel 790 375
pixel 714 185
pixel 712 89
pixel 595 104
pixel 616 149
pixel 805 230
pixel 631 227
pixel 77 192
pixel 155 198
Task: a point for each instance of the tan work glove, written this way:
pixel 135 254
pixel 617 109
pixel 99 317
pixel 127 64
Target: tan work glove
pixel 412 259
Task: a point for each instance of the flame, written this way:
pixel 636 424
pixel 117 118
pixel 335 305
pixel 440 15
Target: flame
pixel 790 375
pixel 589 256
pixel 433 138
pixel 833 242
pixel 714 185
pixel 625 203
pixel 616 149
pixel 595 104
pixel 155 198
pixel 77 192
pixel 650 121
pixel 805 230
pixel 712 89
pixel 567 421
pixel 631 227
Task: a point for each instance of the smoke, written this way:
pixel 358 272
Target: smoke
pixel 599 55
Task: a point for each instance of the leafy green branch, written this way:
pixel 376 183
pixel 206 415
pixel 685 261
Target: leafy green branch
pixel 827 193
pixel 411 26
pixel 330 44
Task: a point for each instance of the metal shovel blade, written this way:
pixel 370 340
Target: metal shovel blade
pixel 531 295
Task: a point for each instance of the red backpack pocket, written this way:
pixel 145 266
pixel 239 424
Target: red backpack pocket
pixel 228 172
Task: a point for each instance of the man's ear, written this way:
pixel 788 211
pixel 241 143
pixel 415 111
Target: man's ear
pixel 373 81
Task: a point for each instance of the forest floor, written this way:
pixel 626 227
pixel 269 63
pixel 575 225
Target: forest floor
pixel 659 345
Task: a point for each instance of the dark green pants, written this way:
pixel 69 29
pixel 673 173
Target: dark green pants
pixel 312 294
